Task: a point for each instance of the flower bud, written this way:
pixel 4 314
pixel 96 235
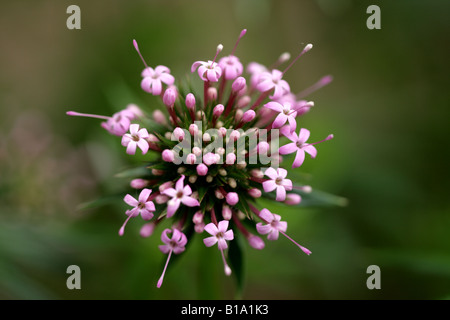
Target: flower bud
pixel 218 110
pixel 147 229
pixel 248 116
pixel 255 193
pixel 193 129
pixel 255 242
pixel 238 84
pixel 226 212
pixel 168 155
pixel 138 183
pixel 170 95
pixel 293 199
pixel 190 101
pixel 191 158
pixel 178 134
pixel 202 169
pixel 232 198
pixel 159 117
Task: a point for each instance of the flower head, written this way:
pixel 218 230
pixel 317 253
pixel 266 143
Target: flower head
pixel 225 146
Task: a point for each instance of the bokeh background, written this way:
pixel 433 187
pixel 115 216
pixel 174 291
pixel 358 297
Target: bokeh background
pixel 388 108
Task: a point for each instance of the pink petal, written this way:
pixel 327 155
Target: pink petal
pixel 125 139
pixel 222 244
pixel 178 250
pixel 172 206
pixel 171 192
pixel 187 191
pixel 282 173
pixel 287 184
pixel 288 148
pixel 143 145
pixel 311 150
pixel 156 87
pixel 148 72
pixel 281 194
pixel 292 122
pixel 133 212
pixel 146 215
pixel 265 85
pixel 211 228
pixel 195 65
pixel 190 202
pixel 164 237
pixel 143 196
pixel 143 133
pixel 273 235
pixel 134 128
pixel 269 185
pixel 286 131
pixel 263 228
pixel 299 158
pixel 275 106
pixel 160 70
pixel 303 135
pixel 271 173
pixel 210 241
pixel 211 75
pixel 180 184
pixel 167 78
pixel 279 121
pixel 229 235
pixel 146 84
pixel 130 201
pixel 182 241
pixel 282 226
pixel 165 248
pixel 266 215
pixel 131 148
pixel 150 206
pixel 223 226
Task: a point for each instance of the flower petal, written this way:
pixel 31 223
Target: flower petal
pixel 172 206
pixel 275 106
pixel 299 158
pixel 271 173
pixel 288 148
pixel 210 241
pixel 180 184
pixel 311 150
pixel 223 226
pixel 266 215
pixel 263 228
pixel 211 228
pixel 303 135
pixel 279 121
pixel 269 185
pixel 282 173
pixel 171 192
pixel 143 196
pixel 190 202
pixel 281 194
pixel 130 200
pixel 164 237
pixel 131 147
pixel 229 235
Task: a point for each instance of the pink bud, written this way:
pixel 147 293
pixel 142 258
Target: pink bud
pixel 223 132
pixel 255 193
pixel 248 116
pixel 202 169
pixel 170 95
pixel 191 158
pixel 226 212
pixel 135 111
pixel 160 199
pixel 256 173
pixel 255 242
pixel 193 129
pixel 147 230
pixel 218 110
pixel 197 151
pixel 243 102
pixel 232 198
pixel 190 101
pixel 199 227
pixel 263 147
pixel 138 183
pixel 238 84
pixel 293 199
pixel 234 135
pixel 157 172
pixel 230 158
pixel 168 155
pixel 209 158
pixel 159 117
pixel 178 133
pixel 198 217
pixel 211 94
pixel 165 185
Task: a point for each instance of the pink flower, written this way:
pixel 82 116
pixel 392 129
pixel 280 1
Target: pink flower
pixel 181 194
pixel 231 67
pixel 255 69
pixel 273 226
pixel 277 182
pixel 142 206
pixel 207 71
pixel 176 245
pixel 286 113
pixel 299 144
pixel 153 79
pixel 273 80
pixel 136 138
pixel 219 234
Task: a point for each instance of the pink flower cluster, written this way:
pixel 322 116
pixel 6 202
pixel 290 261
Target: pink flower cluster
pixel 204 186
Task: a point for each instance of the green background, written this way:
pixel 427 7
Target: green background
pixel 388 109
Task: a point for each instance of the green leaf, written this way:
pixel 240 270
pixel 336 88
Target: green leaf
pixel 236 259
pixel 132 173
pixel 315 198
pixel 100 202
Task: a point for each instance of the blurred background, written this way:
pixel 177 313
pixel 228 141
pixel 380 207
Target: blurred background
pixel 388 108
